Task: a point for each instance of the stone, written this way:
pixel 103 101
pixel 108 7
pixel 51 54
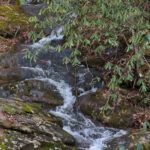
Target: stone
pixel 131 140
pixel 26 125
pixel 124 113
pixel 13 24
pixel 34 90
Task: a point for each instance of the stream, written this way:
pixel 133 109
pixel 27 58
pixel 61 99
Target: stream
pixel 46 104
pixel 88 135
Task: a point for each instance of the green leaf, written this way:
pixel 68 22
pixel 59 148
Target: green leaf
pixel 66 60
pixel 75 62
pixel 109 66
pixel 146 125
pixel 139 146
pixel 22 2
pixel 148 37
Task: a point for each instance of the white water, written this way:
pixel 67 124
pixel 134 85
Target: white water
pixel 55 35
pixel 88 135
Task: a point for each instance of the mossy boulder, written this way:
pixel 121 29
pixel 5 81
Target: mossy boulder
pixel 124 113
pixel 27 126
pixel 13 24
pixel 35 90
pixel 131 141
pixel 12 19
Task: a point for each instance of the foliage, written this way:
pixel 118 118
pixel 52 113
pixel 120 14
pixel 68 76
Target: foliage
pixel 21 2
pixel 91 27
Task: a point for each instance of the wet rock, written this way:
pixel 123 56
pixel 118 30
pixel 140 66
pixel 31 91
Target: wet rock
pixel 34 2
pixel 35 90
pixel 97 61
pixel 18 73
pixel 27 126
pixel 10 74
pixel 122 114
pixel 46 59
pixel 131 141
pixel 32 10
pixel 50 61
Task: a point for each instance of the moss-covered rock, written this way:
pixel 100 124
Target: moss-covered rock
pixel 131 141
pixel 122 114
pixel 13 24
pixel 26 125
pixel 36 91
pixel 14 140
pixel 12 19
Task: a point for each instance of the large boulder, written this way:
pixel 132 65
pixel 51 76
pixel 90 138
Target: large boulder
pixel 13 26
pixel 34 90
pixel 124 113
pixel 12 19
pixel 9 74
pixel 26 125
pixel 31 9
pixel 135 139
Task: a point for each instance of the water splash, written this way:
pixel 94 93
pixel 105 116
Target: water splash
pixel 55 35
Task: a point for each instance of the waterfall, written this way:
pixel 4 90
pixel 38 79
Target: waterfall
pixel 88 135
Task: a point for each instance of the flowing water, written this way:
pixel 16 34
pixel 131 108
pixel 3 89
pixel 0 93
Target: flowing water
pixel 88 135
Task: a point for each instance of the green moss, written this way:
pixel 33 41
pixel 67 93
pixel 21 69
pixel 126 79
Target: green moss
pixel 27 108
pixel 11 16
pixel 31 107
pixel 146 146
pixel 3 146
pixel 9 109
pixel 5 141
pixel 54 146
pixel 36 106
pixel 19 107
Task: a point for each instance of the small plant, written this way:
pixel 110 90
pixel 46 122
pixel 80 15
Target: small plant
pixel 146 125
